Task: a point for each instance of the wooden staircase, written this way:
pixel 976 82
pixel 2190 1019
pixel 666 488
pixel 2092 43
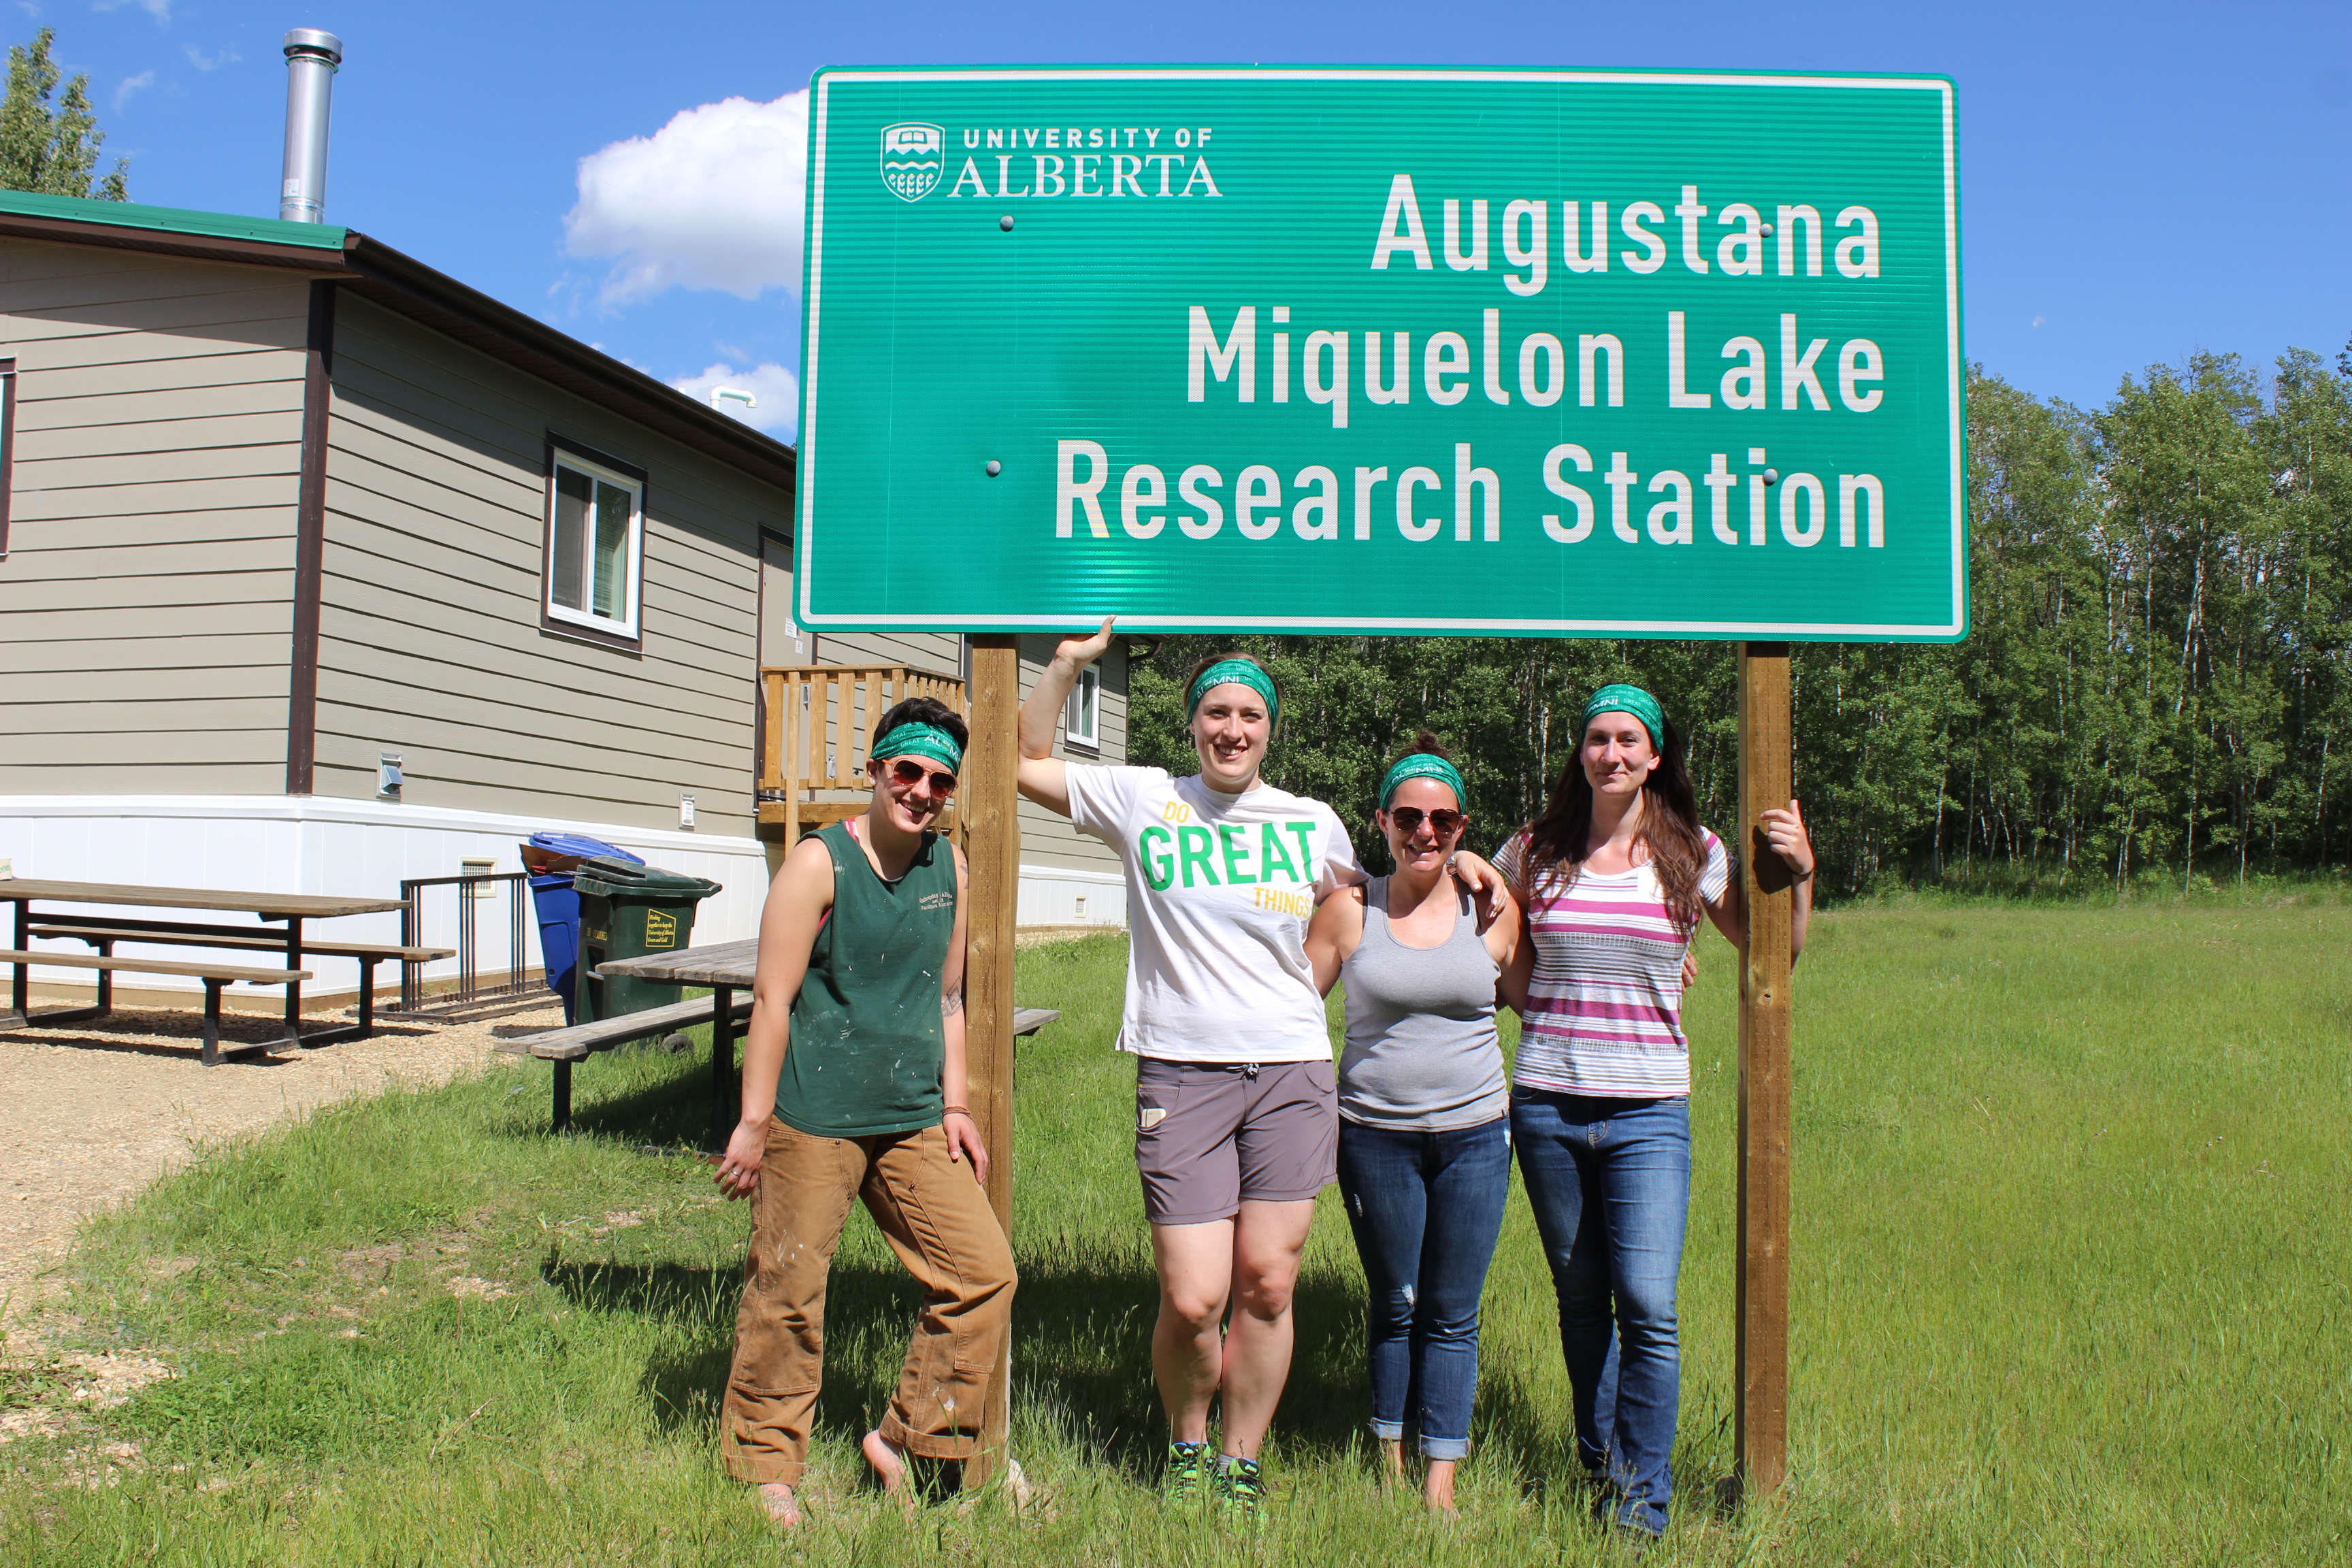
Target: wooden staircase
pixel 816 728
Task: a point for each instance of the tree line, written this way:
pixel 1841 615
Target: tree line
pixel 2158 670
pixel 52 148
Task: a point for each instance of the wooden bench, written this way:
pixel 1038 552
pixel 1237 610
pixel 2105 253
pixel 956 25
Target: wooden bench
pixel 578 1042
pixel 369 953
pixel 214 975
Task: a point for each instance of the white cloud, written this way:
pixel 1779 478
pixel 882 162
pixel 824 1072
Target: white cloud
pixel 213 61
pixel 159 9
pixel 777 388
pixel 713 200
pixel 132 84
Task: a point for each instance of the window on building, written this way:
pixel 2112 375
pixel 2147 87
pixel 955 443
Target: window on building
pixel 1082 714
pixel 596 544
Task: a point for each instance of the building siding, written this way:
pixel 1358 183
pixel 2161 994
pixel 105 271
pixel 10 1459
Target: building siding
pixel 1047 837
pixel 934 653
pixel 431 644
pixel 149 586
pixel 147 596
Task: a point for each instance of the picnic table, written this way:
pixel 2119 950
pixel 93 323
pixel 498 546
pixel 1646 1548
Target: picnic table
pixel 102 932
pixel 728 967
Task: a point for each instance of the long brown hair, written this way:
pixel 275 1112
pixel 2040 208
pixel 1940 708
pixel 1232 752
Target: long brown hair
pixel 1560 839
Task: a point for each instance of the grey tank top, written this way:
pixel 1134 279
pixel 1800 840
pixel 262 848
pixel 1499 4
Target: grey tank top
pixel 1421 1051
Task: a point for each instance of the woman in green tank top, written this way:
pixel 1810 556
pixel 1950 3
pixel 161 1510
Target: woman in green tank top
pixel 853 1089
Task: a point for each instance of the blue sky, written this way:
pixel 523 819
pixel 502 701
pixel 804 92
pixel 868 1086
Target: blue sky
pixel 2138 182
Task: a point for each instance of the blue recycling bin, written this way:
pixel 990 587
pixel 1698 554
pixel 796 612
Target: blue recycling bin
pixel 551 858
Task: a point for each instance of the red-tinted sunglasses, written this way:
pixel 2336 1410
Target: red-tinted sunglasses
pixel 1444 823
pixel 910 772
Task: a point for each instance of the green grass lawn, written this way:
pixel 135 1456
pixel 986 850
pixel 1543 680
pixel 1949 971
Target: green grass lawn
pixel 2070 1286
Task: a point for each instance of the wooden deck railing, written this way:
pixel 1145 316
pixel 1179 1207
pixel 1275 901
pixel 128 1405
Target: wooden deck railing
pixel 816 725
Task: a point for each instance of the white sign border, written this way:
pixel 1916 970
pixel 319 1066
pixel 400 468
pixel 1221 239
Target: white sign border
pixel 813 285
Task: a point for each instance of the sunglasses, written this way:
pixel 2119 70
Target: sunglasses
pixel 908 771
pixel 1444 823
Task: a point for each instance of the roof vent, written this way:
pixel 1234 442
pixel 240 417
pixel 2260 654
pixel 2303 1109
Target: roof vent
pixel 311 58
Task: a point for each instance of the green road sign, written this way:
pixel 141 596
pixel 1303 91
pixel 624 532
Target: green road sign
pixel 1590 353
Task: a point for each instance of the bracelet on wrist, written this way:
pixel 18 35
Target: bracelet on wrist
pixel 1804 876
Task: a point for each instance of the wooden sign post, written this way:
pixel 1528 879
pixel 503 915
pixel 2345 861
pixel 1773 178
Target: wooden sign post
pixel 990 810
pixel 1760 1439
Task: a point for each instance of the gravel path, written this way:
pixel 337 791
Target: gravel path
pixel 92 1113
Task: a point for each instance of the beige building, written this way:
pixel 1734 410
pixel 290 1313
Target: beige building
pixel 319 569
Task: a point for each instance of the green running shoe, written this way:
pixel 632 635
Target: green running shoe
pixel 1188 1466
pixel 1239 1489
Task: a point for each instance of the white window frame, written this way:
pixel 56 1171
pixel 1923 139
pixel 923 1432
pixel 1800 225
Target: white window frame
pixel 633 552
pixel 1085 702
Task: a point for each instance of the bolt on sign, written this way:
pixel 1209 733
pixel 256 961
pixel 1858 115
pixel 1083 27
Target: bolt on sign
pixel 1606 354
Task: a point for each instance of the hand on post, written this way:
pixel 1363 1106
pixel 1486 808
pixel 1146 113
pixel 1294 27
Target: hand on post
pixel 1785 832
pixel 965 1143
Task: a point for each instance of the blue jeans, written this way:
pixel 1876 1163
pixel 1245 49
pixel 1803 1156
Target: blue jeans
pixel 1426 1209
pixel 1610 1184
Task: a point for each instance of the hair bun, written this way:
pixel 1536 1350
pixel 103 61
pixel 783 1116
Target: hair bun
pixel 1425 744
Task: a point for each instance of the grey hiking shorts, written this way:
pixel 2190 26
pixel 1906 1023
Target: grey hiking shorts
pixel 1210 1137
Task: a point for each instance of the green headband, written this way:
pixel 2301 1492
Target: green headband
pixel 1423 765
pixel 1634 700
pixel 1237 672
pixel 916 739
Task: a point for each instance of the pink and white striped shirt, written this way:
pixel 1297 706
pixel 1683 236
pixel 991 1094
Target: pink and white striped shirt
pixel 1605 1005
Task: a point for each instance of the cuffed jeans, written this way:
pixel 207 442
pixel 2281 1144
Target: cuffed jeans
pixel 937 1219
pixel 1609 1183
pixel 1426 1209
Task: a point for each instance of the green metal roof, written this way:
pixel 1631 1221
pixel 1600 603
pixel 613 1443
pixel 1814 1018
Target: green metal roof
pixel 173 220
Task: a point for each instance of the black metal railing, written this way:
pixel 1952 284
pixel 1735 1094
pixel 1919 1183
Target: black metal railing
pixel 471 991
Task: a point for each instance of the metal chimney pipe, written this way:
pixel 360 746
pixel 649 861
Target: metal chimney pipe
pixel 312 56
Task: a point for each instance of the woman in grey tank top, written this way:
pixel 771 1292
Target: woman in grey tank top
pixel 1424 1112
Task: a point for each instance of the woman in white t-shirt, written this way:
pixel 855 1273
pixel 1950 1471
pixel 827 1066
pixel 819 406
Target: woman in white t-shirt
pixel 1613 878
pixel 1236 1112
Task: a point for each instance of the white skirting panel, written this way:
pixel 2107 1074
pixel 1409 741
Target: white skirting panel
pixel 1059 896
pixel 311 844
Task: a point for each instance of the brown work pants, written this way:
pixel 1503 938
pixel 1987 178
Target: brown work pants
pixel 937 1219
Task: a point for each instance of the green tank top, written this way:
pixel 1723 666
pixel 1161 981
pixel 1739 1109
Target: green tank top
pixel 867 1045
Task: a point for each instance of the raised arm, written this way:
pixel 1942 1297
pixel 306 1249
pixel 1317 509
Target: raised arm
pixel 1784 831
pixel 797 901
pixel 1044 776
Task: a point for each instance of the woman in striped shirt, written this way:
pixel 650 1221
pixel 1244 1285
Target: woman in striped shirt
pixel 1613 878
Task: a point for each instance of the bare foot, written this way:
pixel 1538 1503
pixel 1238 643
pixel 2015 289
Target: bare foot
pixel 1392 1461
pixel 1437 1487
pixel 782 1506
pixel 889 1463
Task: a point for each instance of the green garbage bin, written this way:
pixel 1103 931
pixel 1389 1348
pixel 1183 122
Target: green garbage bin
pixel 627 911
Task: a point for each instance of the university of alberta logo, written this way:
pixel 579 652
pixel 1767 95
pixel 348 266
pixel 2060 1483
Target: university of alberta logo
pixel 913 156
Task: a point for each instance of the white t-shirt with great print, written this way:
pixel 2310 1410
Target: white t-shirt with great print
pixel 1219 891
